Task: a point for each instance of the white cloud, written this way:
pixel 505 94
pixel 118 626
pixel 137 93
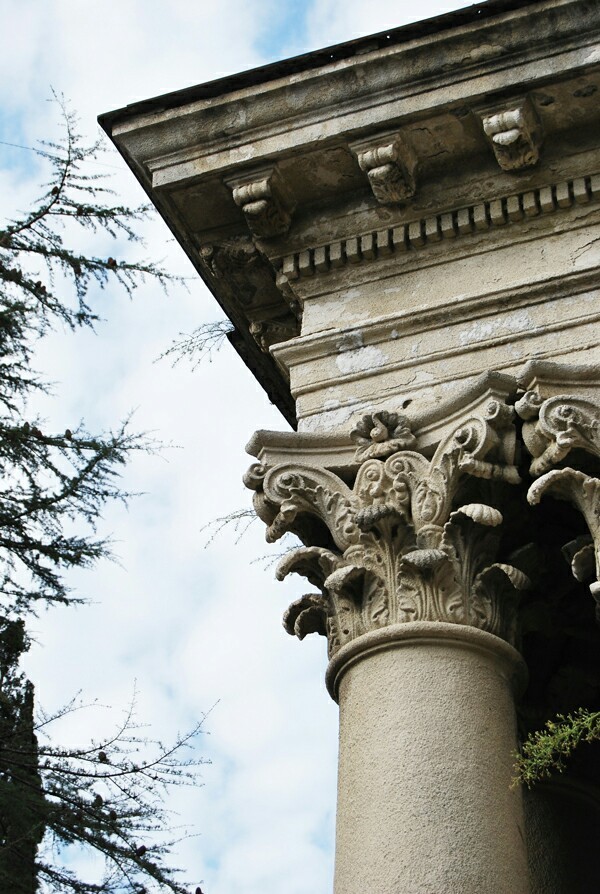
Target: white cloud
pixel 193 626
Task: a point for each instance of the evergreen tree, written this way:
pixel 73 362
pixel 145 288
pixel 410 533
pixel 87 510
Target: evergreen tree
pixel 106 796
pixel 22 802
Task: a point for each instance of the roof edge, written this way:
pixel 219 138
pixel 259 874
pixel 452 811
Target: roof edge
pixel 314 59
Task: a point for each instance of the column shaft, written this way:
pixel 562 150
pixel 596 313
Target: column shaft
pixel 427 737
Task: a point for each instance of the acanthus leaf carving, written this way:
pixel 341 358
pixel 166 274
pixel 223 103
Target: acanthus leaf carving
pixel 554 427
pixel 581 556
pixel 350 602
pixel 389 549
pixel 480 513
pixel 497 589
pixel 490 588
pixel 472 543
pixel 306 615
pixel 464 452
pixel 428 588
pixel 583 492
pixel 303 495
pixel 312 562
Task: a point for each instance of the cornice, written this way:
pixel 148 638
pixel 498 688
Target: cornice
pixel 315 59
pixel 267 157
pixel 367 91
pixel 444 226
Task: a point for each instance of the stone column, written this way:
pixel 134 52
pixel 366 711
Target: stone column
pixel 421 626
pixel 427 735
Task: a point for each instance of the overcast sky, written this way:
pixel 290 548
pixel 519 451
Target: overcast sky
pixel 195 627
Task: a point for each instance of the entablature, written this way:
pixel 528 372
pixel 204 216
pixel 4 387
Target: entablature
pixel 409 154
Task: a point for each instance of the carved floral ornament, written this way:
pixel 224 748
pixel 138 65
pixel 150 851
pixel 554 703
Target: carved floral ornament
pixel 390 549
pixel 552 429
pixel 381 434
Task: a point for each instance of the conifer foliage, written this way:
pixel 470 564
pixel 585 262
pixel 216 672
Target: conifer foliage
pixel 104 797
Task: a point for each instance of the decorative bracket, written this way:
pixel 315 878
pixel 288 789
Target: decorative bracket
pixel 390 163
pixel 515 135
pixel 262 197
pixel 272 332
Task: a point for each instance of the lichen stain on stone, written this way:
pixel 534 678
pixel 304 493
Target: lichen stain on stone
pixel 328 419
pixel 484 329
pixel 482 52
pixel 342 308
pixel 361 359
pixel 354 356
pixel 246 152
pixel 350 341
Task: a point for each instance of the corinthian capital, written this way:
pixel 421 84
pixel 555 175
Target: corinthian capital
pixel 389 548
pixel 553 428
pixel 583 492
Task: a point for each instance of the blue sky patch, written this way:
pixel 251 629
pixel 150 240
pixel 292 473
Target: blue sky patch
pixel 17 154
pixel 286 34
